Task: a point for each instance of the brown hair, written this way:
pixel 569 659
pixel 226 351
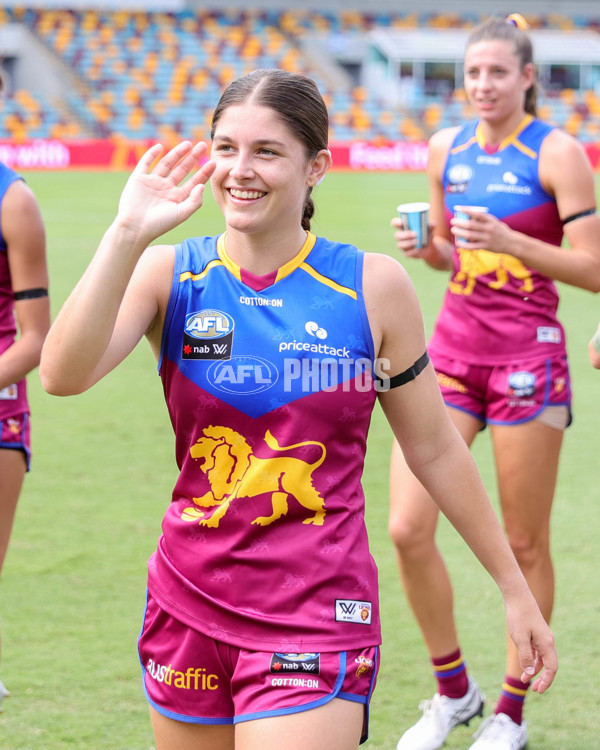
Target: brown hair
pixel 512 29
pixel 297 101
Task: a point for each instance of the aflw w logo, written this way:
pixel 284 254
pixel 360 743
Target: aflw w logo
pixel 350 610
pixel 219 348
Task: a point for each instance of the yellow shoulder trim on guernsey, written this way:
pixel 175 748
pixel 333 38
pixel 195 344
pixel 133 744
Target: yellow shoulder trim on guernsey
pixel 512 139
pixel 297 260
pixel 328 282
pixel 463 146
pixel 227 262
pixel 285 270
pixel 187 275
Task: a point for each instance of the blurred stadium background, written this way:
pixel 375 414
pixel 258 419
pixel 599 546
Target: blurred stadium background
pixel 154 70
pixel 79 83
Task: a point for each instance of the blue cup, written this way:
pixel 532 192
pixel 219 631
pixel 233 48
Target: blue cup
pixel 460 213
pixel 415 217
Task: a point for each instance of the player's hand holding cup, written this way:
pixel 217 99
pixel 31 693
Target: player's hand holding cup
pixel 467 213
pixel 414 217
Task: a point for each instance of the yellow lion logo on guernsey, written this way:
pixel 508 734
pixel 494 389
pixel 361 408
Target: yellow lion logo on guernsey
pixel 234 472
pixel 474 263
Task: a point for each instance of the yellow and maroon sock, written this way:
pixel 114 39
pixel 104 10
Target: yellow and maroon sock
pixel 512 699
pixel 451 675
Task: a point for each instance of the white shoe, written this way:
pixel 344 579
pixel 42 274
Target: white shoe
pixel 3 694
pixel 440 715
pixel 499 732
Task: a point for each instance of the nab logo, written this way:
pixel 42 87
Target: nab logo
pixel 208 324
pixel 296 663
pixel 243 375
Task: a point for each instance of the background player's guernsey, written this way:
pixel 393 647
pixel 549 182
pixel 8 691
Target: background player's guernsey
pixel 13 398
pixel 496 307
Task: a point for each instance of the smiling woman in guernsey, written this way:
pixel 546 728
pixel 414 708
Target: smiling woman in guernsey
pixel 251 637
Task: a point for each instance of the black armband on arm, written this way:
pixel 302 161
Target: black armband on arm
pixel 580 215
pixel 385 384
pixel 31 293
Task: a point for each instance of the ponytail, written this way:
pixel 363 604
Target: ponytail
pixel 309 210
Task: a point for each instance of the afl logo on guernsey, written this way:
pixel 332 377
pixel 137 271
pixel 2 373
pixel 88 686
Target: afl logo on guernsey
pixel 243 375
pixel 459 177
pixel 207 334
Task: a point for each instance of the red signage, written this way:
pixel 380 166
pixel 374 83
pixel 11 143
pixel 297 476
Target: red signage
pixel 123 155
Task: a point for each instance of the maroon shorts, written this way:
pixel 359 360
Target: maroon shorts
pixel 15 434
pixel 504 394
pixel 190 677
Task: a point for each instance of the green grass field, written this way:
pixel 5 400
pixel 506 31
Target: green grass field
pixel 74 580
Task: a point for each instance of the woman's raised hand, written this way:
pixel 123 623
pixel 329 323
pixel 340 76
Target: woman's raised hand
pixel 157 196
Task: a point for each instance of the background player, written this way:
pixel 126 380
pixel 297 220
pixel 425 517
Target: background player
pixel 498 349
pixel 24 310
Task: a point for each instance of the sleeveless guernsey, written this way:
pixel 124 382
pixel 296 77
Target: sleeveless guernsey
pixel 13 398
pixel 269 389
pixel 495 308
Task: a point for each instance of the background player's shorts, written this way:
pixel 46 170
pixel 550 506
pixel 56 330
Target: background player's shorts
pixel 15 434
pixel 505 394
pixel 191 677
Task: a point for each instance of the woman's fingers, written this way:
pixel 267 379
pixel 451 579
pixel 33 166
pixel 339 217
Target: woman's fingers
pixel 145 163
pixel 187 162
pixel 176 164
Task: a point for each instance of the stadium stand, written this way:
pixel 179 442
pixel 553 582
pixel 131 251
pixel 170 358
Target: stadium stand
pixel 143 75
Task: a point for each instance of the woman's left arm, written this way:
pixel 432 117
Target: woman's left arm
pixel 441 460
pixel 25 237
pixel 565 173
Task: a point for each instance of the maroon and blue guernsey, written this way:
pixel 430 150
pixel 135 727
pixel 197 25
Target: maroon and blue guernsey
pixel 13 398
pixel 496 309
pixel 268 382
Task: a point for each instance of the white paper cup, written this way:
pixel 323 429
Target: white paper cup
pixel 460 212
pixel 415 217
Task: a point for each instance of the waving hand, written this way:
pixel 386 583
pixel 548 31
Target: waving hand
pixel 157 196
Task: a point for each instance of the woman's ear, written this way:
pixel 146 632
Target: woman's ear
pixel 321 163
pixel 529 75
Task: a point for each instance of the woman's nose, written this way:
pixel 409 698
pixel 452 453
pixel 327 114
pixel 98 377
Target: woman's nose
pixel 242 167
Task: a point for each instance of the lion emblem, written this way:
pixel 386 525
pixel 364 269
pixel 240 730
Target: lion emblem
pixel 234 472
pixel 474 263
